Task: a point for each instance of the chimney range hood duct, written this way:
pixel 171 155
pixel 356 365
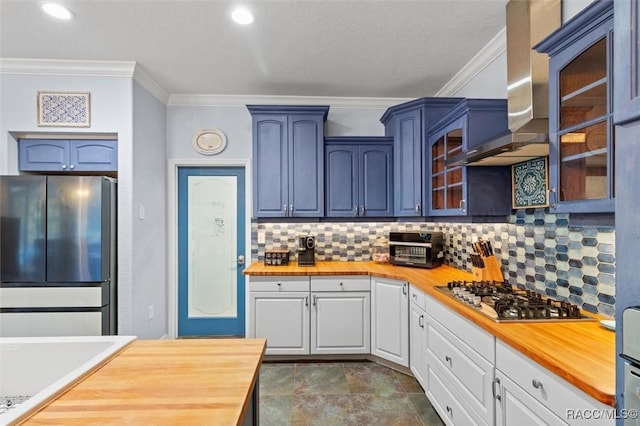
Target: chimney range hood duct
pixel 528 22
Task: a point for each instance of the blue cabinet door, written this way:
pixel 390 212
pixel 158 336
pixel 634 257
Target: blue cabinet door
pixel 359 176
pixel 582 143
pixel 270 165
pixel 375 180
pixel 467 190
pixel 93 155
pixel 408 170
pixel 288 160
pixel 626 61
pixel 306 166
pixel 342 181
pixel 44 155
pixel 54 155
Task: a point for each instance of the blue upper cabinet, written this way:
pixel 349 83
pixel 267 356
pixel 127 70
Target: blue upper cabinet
pixel 53 155
pixel 288 160
pixel 407 123
pixel 458 190
pixel 627 61
pixel 359 176
pixel 581 149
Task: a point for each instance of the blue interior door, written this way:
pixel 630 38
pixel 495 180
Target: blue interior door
pixel 211 247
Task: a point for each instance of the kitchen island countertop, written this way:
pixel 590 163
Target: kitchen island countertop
pixel 184 381
pixel 582 353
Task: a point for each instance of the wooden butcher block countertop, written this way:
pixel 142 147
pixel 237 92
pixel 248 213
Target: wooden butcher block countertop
pixel 582 353
pixel 154 382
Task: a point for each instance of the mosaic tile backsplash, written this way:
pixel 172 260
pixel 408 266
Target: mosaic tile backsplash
pixel 538 250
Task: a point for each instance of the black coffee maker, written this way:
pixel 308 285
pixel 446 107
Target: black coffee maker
pixel 306 250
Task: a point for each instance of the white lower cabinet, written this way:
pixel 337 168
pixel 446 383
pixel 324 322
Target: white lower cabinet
pixel 279 311
pixel 460 360
pixel 417 336
pixel 525 388
pixel 514 406
pixel 340 323
pixel 302 315
pixel 390 320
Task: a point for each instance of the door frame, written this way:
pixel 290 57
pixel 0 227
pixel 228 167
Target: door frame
pixel 172 222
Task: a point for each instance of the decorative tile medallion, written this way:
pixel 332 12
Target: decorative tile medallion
pixel 59 109
pixel 529 183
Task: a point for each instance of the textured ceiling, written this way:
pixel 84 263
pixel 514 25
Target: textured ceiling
pixel 363 48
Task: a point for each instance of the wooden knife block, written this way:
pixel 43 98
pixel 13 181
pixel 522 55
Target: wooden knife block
pixel 491 271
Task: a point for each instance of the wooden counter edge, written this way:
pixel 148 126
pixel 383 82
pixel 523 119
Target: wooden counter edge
pixel 254 382
pixel 371 269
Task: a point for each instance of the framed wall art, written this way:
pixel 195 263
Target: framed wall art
pixel 530 183
pixel 64 109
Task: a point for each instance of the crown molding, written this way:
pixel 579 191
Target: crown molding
pixel 489 53
pixel 145 80
pixel 67 67
pixel 242 100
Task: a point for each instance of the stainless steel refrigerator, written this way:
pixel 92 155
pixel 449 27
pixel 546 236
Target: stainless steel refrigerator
pixel 57 255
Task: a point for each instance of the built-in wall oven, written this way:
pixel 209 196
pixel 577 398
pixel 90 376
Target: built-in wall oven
pixel 631 354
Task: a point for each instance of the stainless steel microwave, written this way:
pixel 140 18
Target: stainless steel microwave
pixel 421 249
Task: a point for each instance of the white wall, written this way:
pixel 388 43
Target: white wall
pixel 149 276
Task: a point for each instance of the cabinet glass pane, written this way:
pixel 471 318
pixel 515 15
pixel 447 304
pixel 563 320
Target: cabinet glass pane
pixel 437 165
pixel 583 163
pixel 437 199
pixel 437 149
pixel 454 142
pixel 454 176
pixel 454 196
pixel 583 86
pixel 437 181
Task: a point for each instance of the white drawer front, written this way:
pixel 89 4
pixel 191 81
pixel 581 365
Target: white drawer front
pixel 45 324
pixel 341 283
pixel 480 340
pixel 446 403
pixel 471 373
pixel 417 297
pixel 43 297
pixel 273 283
pixel 555 393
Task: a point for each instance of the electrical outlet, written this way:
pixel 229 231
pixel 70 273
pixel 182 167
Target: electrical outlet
pixel 151 313
pixel 261 237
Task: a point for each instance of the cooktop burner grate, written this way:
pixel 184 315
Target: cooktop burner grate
pixel 503 303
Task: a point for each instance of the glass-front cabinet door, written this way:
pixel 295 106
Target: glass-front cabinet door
pixel 581 117
pixel 447 182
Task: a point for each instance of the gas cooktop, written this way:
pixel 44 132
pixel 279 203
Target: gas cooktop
pixel 503 303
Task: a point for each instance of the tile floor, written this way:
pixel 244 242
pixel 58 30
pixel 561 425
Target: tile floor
pixel 341 393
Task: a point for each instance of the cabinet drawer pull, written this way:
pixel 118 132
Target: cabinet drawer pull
pixel 496 395
pixel 463 206
pixel 404 289
pixel 448 359
pixel 536 384
pixel 279 284
pixel 450 411
pixel 355 210
pixel 72 166
pixel 290 209
pixel 314 300
pixel 362 210
pixel 64 166
pixel 417 208
pixel 306 301
pixel 421 321
pixel 285 210
pixel 552 190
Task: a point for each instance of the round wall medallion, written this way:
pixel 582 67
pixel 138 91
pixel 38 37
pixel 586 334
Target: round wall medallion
pixel 209 141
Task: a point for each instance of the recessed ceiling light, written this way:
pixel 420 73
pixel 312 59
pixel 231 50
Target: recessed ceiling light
pixel 242 16
pixel 57 11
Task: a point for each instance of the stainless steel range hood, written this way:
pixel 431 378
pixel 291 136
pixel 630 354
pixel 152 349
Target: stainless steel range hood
pixel 528 22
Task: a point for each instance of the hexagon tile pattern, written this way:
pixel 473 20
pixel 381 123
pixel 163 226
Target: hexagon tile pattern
pixel 538 251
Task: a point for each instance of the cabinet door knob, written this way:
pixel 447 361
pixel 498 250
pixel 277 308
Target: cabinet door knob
pixel 279 284
pixel 72 166
pixel 64 166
